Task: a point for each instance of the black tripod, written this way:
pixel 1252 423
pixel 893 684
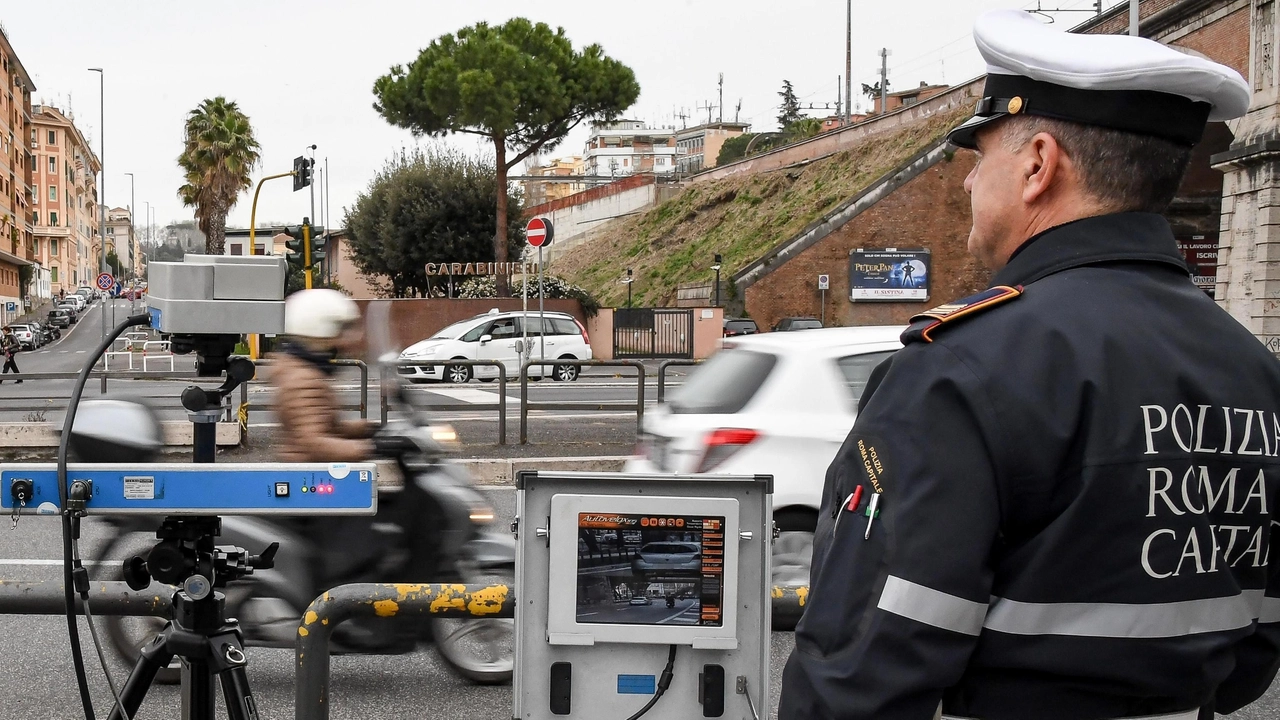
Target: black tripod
pixel 207 642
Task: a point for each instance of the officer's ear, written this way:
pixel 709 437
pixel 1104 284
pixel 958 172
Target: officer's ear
pixel 1044 168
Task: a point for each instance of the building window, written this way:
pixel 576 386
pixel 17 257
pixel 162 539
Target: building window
pixel 53 271
pixel 53 246
pixel 35 218
pixel 53 137
pixel 111 231
pixel 237 249
pixel 53 219
pixel 53 193
pixel 53 165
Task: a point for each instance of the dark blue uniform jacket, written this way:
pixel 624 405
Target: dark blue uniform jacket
pixel 1077 508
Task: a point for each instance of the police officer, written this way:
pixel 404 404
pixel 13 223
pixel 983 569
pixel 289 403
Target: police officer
pixel 1058 499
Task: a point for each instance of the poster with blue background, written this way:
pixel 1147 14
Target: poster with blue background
pixel 889 275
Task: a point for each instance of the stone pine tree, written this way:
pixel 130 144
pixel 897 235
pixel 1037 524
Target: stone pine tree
pixel 789 111
pixel 520 84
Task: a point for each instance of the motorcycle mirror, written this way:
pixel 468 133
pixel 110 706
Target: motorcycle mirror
pixel 115 431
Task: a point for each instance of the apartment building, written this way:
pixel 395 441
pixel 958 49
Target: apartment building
pixel 537 192
pixel 698 147
pixel 626 147
pixel 66 192
pixel 120 237
pixel 17 228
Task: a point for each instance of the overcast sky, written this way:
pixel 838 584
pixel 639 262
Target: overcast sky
pixel 303 70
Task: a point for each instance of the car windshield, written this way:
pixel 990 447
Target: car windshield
pixel 454 331
pixel 667 549
pixel 724 384
pixel 805 324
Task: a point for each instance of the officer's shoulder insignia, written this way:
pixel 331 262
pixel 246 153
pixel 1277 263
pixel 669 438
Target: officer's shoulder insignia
pixel 924 325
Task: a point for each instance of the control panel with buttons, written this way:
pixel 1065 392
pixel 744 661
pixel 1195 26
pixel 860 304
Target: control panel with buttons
pixel 193 489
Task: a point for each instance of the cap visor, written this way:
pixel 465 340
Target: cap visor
pixel 963 135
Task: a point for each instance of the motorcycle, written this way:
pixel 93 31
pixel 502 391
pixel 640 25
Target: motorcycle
pixel 435 527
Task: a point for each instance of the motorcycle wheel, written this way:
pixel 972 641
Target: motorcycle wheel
pixel 128 635
pixel 480 650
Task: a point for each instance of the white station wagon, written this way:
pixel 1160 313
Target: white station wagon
pixel 494 336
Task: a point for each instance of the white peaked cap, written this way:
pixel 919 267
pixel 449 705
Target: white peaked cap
pixel 1116 81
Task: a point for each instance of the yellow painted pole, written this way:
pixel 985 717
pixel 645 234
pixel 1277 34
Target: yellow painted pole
pixel 253 247
pixel 253 212
pixel 306 252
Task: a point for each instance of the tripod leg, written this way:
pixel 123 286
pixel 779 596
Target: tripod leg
pixel 197 690
pixel 152 657
pixel 238 696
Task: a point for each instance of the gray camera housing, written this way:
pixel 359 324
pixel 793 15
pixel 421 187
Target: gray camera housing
pixel 217 294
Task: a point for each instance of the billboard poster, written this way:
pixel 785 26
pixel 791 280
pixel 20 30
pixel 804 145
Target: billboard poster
pixel 1201 254
pixel 891 275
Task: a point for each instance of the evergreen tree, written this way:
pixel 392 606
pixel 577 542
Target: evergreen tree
pixel 789 111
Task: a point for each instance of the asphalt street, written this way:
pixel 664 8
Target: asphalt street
pixel 37 681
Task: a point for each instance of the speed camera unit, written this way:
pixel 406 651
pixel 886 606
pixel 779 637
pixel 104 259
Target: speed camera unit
pixel 642 590
pixel 217 294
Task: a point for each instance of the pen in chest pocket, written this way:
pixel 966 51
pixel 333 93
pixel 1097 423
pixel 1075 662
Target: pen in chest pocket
pixel 849 505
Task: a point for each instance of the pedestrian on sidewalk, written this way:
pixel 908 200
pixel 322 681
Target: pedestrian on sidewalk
pixel 10 345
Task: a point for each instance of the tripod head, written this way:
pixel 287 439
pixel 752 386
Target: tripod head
pixel 186 556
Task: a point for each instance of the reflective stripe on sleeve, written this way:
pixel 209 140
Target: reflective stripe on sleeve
pixel 1270 612
pixel 1115 620
pixel 931 607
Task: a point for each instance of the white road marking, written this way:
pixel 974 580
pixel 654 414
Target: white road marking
pixel 51 563
pixel 79 352
pixel 469 396
pixel 673 617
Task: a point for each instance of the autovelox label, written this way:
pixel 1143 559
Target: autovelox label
pixel 139 488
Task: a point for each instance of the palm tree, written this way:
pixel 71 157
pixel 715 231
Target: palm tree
pixel 216 160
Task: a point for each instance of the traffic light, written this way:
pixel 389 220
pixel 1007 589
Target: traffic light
pixel 301 173
pixel 295 241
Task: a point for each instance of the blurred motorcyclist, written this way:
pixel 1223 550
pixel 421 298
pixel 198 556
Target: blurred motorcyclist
pixel 318 325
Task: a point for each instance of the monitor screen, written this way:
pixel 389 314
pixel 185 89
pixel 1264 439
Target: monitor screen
pixel 642 569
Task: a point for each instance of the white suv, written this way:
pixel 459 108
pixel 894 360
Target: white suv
pixel 494 337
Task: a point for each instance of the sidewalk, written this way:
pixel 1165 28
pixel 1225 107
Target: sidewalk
pixel 37 314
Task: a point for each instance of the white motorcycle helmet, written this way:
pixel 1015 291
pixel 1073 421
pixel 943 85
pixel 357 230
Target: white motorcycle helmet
pixel 319 314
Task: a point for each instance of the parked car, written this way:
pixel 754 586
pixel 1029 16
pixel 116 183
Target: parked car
pixel 494 336
pixel 60 318
pixel 89 294
pixel 733 327
pixel 72 309
pixel 771 404
pixel 27 338
pixel 78 301
pixel 797 323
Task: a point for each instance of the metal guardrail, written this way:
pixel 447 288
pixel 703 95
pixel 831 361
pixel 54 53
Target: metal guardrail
pixel 525 406
pixel 375 600
pixel 500 406
pixel 662 374
pixel 362 406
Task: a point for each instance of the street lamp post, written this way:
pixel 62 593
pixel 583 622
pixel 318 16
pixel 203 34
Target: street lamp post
pixel 133 215
pixel 102 188
pixel 716 267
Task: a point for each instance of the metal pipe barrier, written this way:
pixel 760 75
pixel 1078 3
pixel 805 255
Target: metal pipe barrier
pixel 500 406
pixel 377 600
pixel 662 374
pixel 108 598
pixel 525 407
pixel 362 406
pixel 383 600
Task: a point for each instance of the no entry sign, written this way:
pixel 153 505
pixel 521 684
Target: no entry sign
pixel 539 232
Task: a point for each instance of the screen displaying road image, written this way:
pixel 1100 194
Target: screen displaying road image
pixel 636 569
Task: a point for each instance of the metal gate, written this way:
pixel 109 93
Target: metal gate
pixel 652 333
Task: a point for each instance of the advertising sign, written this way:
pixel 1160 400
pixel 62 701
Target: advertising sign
pixel 891 275
pixel 1201 254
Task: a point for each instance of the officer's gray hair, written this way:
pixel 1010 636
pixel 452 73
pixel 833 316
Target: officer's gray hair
pixel 1121 170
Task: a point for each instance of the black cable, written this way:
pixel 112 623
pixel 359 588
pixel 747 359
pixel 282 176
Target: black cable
pixel 70 567
pixel 663 683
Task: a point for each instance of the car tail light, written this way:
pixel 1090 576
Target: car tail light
pixel 583 329
pixel 723 444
